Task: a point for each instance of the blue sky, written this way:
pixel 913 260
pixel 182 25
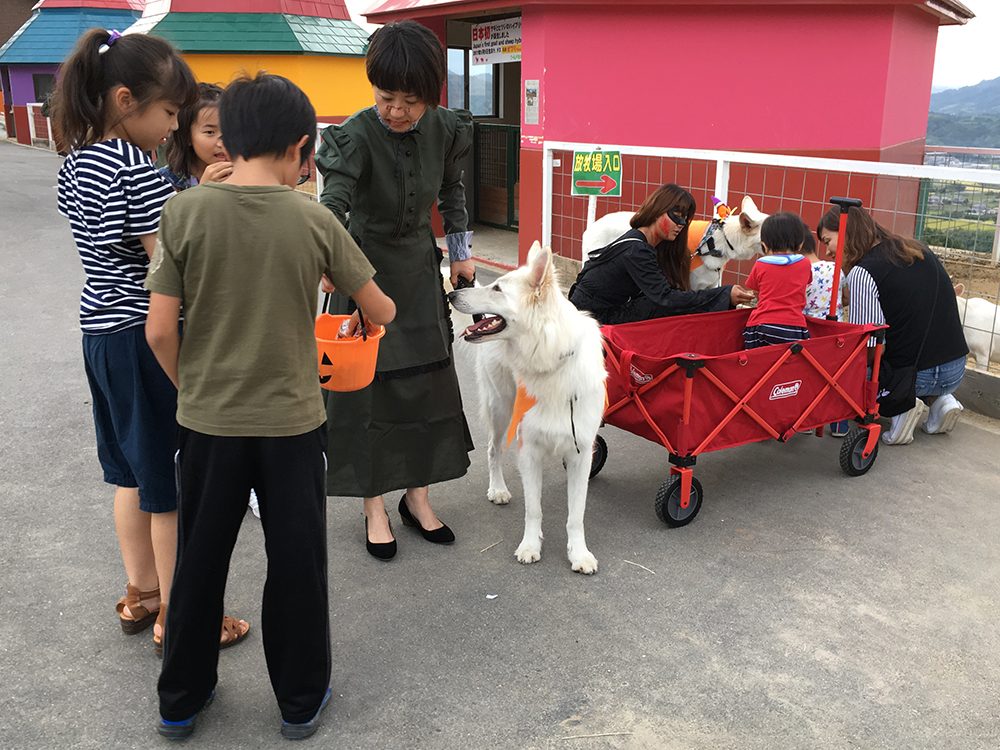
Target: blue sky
pixel 966 54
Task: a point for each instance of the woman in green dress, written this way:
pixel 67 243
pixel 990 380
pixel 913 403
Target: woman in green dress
pixel 384 168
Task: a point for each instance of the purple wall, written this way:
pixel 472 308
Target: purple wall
pixel 22 85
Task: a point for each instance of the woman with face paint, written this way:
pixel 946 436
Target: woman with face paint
pixel 645 273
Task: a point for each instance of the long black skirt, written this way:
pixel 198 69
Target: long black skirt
pixel 397 433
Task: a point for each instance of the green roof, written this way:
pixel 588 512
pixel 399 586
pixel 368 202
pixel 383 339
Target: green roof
pixel 265 33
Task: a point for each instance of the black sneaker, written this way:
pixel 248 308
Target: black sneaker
pixel 181 730
pixel 301 731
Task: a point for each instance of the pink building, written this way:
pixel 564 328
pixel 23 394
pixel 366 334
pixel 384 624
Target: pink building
pixel 848 79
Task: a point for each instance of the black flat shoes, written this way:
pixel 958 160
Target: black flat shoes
pixel 382 550
pixel 444 535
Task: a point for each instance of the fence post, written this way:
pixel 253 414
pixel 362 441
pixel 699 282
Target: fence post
pixel 32 135
pixel 546 196
pixel 996 241
pixel 722 181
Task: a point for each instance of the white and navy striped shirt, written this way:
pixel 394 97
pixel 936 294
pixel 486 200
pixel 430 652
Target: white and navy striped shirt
pixel 111 193
pixel 865 308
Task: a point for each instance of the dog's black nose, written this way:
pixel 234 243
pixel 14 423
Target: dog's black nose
pixel 451 297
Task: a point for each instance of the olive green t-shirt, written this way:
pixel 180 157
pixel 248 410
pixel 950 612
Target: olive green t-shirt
pixel 246 262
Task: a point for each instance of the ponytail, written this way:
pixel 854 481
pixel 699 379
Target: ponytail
pixel 147 66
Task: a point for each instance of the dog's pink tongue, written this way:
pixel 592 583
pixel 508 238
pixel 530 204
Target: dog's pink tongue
pixel 485 322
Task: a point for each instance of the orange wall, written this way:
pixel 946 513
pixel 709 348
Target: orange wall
pixel 336 86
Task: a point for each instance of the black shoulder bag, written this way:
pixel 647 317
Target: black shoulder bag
pixel 897 388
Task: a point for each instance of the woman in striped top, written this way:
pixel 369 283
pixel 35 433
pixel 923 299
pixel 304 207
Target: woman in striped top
pixel 118 97
pixel 899 282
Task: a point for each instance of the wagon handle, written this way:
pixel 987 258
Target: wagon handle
pixel 845 204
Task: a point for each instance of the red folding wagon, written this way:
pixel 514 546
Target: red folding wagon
pixel 687 383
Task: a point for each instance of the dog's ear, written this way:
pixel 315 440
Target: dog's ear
pixel 959 290
pixel 750 215
pixel 540 263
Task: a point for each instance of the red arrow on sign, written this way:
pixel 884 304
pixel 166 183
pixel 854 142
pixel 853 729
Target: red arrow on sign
pixel 607 183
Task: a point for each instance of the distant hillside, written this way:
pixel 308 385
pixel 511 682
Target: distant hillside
pixel 976 131
pixel 983 98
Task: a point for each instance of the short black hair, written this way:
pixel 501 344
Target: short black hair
pixel 782 233
pixel 405 56
pixel 263 116
pixel 808 240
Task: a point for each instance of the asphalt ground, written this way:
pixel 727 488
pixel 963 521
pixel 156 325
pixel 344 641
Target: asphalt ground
pixel 801 609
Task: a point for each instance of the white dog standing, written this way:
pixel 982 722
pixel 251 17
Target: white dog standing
pixel 534 336
pixel 712 244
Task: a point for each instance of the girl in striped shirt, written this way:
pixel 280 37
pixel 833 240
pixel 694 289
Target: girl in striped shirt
pixel 118 98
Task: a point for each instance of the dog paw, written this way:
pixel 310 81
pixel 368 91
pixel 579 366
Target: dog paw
pixel 585 563
pixel 498 497
pixel 528 553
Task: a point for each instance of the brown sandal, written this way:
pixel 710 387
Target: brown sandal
pixel 141 617
pixel 230 627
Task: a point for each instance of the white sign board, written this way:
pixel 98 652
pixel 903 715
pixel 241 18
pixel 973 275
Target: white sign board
pixel 531 104
pixel 496 41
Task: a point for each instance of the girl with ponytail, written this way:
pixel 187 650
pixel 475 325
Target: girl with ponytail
pixel 118 98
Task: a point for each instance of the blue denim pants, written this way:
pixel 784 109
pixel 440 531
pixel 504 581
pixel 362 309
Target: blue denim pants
pixel 940 380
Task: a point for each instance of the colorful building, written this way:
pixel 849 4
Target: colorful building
pixel 845 78
pixel 312 42
pixel 30 58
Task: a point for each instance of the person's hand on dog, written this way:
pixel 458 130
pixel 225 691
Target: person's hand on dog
pixel 352 328
pixel 740 296
pixel 466 268
pixel 217 171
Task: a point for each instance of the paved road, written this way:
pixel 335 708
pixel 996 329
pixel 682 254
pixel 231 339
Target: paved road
pixel 802 609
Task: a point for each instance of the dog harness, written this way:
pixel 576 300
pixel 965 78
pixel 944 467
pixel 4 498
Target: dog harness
pixel 701 236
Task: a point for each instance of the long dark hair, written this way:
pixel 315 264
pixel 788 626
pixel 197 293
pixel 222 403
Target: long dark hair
pixel 863 233
pixel 180 151
pixel 672 256
pixel 147 66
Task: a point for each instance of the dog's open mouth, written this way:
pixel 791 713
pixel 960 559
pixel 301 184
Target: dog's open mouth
pixel 487 326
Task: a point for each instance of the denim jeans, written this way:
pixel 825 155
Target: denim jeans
pixel 937 381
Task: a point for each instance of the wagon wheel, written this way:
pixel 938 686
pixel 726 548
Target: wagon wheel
pixel 668 502
pixel 600 456
pixel 851 459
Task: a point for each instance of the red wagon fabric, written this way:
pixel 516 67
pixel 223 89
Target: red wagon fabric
pixel 687 383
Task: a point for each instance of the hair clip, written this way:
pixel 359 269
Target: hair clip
pixel 115 36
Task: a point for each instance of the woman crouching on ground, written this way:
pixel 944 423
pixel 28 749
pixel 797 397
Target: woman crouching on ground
pixel 645 273
pixel 898 281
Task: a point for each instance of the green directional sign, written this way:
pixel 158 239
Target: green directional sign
pixel 597 173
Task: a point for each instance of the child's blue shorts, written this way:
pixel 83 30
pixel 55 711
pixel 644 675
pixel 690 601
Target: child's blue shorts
pixel 135 414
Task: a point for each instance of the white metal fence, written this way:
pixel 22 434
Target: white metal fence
pixel 40 127
pixel 954 209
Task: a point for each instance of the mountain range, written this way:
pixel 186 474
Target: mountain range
pixel 969 116
pixel 981 99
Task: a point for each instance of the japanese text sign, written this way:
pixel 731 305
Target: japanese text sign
pixel 496 41
pixel 597 173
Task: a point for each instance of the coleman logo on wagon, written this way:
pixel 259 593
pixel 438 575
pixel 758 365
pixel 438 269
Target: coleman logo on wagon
pixel 639 376
pixel 785 390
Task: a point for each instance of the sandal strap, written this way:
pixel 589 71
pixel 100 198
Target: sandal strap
pixel 132 598
pixel 231 627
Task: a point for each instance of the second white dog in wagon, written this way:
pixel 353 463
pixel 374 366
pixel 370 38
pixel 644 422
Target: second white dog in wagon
pixel 646 272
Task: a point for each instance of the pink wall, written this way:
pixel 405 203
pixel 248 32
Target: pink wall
pixel 910 69
pixel 771 83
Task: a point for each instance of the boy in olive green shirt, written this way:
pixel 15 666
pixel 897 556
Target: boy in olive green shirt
pixel 244 258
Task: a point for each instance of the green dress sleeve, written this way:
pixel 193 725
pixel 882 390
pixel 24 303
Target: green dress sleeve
pixel 451 196
pixel 340 162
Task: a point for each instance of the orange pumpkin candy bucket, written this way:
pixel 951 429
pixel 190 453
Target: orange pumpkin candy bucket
pixel 346 364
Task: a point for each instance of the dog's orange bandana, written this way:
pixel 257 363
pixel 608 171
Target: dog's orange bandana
pixel 523 403
pixel 696 230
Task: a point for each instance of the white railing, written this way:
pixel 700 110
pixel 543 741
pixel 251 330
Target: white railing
pixel 953 209
pixel 723 160
pixel 39 127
